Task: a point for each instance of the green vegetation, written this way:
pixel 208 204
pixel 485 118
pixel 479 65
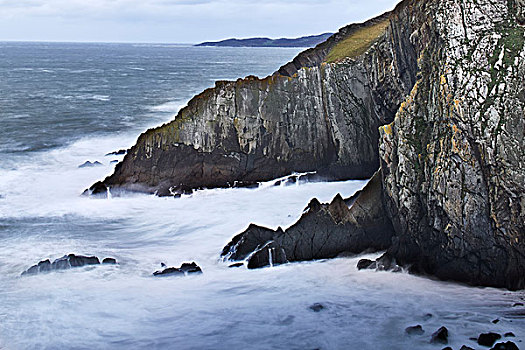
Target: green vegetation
pixel 358 42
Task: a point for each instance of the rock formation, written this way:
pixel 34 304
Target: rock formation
pixel 66 262
pixel 320 113
pixel 443 78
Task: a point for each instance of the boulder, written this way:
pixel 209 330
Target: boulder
pixel 464 347
pixel 440 336
pixel 170 271
pixel 366 264
pixel 317 307
pixel 488 339
pixel 109 261
pixel 505 346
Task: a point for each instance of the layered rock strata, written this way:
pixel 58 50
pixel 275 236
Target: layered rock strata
pixel 311 115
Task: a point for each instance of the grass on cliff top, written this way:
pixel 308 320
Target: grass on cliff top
pixel 357 43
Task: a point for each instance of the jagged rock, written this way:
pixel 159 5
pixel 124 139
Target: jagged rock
pixel 324 231
pixel 109 261
pixel 190 268
pixel 414 330
pixel 184 270
pixel 99 189
pixel 488 339
pixel 509 334
pixel 317 307
pixel 270 254
pixel 440 336
pixel 117 153
pixel 88 164
pixel 63 263
pixel 366 264
pixel 495 321
pixel 464 347
pixel 505 346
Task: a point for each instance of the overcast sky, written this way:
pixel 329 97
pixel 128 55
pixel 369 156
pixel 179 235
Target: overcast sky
pixel 177 21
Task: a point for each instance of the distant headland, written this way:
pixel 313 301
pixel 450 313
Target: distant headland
pixel 305 41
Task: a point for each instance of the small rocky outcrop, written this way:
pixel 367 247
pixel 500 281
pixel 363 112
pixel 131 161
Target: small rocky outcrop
pixel 317 307
pixel 440 336
pixel 324 231
pixel 488 339
pixel 66 262
pixel 184 270
pixel 505 346
pixel 117 153
pixel 88 164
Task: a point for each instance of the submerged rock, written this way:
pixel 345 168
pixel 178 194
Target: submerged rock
pixel 317 307
pixel 464 347
pixel 170 271
pixel 414 330
pixel 109 261
pixel 440 336
pixel 66 262
pixel 88 164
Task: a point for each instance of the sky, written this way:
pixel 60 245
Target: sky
pixel 177 21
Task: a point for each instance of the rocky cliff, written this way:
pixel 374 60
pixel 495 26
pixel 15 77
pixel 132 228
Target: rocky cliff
pixel 443 78
pixel 453 159
pixel 320 113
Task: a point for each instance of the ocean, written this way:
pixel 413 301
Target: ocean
pixel 62 104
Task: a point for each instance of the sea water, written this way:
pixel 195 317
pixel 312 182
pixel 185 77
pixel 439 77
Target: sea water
pixel 64 104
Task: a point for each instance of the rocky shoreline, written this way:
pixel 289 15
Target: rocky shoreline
pixel 431 94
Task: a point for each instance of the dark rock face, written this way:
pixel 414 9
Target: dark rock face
pixel 66 262
pixel 414 330
pixel 453 159
pixel 440 336
pixel 184 270
pixel 270 254
pixel 324 231
pixel 365 264
pixel 109 261
pixel 505 346
pixel 117 153
pixel 488 339
pixel 464 347
pixel 309 116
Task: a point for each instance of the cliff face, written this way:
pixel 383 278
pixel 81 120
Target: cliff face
pixel 453 160
pixel 311 115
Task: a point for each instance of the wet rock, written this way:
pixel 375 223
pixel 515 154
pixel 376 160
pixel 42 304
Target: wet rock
pixel 509 334
pixel 414 330
pixel 505 346
pixel 117 153
pixel 517 304
pixel 184 270
pixel 324 231
pixel 190 268
pixel 464 347
pixel 170 271
pixel 488 339
pixel 365 264
pixel 236 265
pixel 495 321
pixel 113 161
pixel 440 336
pixel 317 307
pixel 98 189
pixel 271 254
pixel 63 263
pixel 109 261
pixel 447 348
pixel 88 164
